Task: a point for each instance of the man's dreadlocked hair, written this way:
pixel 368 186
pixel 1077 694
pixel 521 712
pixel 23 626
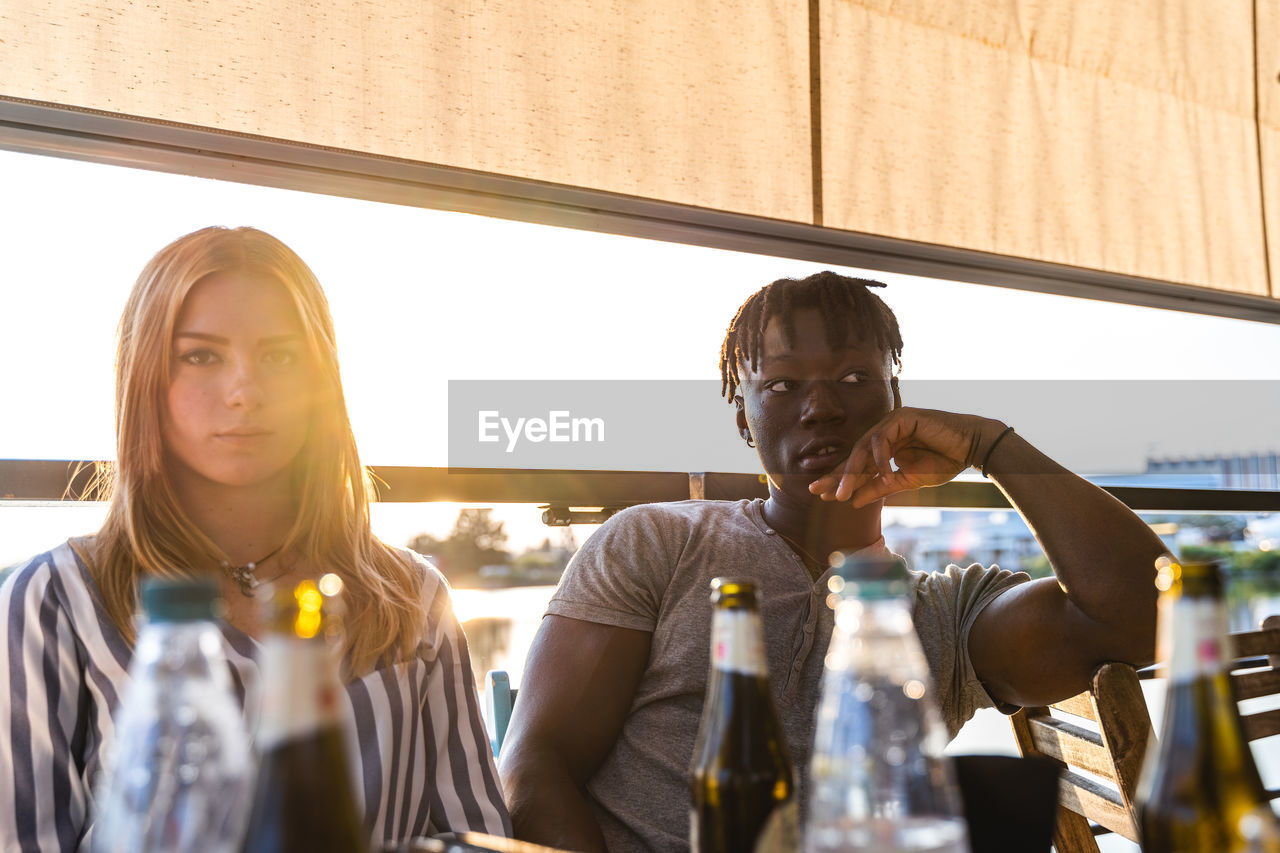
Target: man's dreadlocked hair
pixel 847 307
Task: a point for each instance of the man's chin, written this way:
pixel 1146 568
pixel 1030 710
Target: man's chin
pixel 795 485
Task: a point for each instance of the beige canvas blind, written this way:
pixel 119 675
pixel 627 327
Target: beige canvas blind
pixel 1139 138
pixel 1268 89
pixel 1117 136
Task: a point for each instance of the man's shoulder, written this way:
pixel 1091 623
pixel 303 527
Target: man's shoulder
pixel 674 525
pixel 691 513
pixel 961 588
pixel 653 540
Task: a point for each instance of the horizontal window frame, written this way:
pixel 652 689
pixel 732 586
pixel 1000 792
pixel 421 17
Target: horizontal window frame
pixel 56 480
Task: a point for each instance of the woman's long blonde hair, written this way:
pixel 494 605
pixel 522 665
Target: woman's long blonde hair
pixel 146 531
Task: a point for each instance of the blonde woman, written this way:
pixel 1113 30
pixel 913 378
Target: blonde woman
pixel 235 458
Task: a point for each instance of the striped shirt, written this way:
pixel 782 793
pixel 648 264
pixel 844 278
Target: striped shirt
pixel 417 747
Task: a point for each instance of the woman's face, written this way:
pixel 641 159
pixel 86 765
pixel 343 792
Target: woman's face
pixel 242 386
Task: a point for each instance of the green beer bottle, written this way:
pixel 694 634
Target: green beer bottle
pixel 741 785
pixel 303 801
pixel 1199 791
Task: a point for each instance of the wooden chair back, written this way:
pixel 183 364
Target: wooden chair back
pixel 1255 675
pixel 1100 737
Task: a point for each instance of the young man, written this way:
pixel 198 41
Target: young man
pixel 601 740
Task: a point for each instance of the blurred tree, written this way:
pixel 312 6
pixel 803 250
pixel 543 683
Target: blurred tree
pixel 1207 553
pixel 1216 528
pixel 1249 573
pixel 1259 562
pixel 475 542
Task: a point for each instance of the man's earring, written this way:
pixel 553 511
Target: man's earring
pixel 750 442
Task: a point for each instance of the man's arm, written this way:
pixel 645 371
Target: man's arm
pixel 577 686
pixel 1038 642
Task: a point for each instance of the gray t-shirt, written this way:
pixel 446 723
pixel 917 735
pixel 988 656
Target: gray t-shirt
pixel 650 567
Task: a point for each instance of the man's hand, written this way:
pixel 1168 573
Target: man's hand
pixel 1038 642
pixel 929 447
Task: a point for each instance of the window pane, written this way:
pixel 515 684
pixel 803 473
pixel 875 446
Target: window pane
pixel 422 297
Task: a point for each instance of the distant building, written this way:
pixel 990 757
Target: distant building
pixel 1247 471
pixel 1002 538
pixel 989 537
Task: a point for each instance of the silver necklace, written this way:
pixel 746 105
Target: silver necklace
pixel 246 576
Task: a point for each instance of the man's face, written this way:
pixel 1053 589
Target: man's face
pixel 807 404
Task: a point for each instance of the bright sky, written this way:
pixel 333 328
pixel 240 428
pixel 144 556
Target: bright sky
pixel 421 297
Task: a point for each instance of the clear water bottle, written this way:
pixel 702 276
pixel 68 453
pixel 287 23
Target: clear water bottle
pixel 879 780
pixel 178 776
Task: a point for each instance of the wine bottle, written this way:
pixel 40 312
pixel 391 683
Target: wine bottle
pixel 303 802
pixel 741 784
pixel 1199 791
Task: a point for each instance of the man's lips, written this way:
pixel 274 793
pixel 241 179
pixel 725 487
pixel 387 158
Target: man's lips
pixel 822 455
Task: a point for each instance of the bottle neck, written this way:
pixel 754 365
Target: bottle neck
pixel 170 628
pixel 174 645
pixel 1194 637
pixel 737 643
pixel 881 615
pixel 301 689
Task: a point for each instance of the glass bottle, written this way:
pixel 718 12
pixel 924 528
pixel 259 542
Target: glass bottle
pixel 178 774
pixel 879 780
pixel 303 802
pixel 1199 790
pixel 741 785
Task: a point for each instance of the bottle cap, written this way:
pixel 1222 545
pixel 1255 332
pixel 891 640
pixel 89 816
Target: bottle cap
pixel 180 599
pixel 306 609
pixel 733 592
pixel 1192 579
pixel 871 577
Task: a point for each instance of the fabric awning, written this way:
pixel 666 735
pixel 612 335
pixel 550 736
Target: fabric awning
pixel 1138 139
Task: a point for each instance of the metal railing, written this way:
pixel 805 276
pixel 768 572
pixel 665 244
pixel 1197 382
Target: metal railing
pixel 56 480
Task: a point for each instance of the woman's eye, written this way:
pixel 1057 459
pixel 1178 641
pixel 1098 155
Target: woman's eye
pixel 280 358
pixel 198 357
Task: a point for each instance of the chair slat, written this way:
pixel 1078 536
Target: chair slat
pixel 1251 685
pixel 1256 643
pixel 1073 834
pixel 1124 723
pixel 1262 724
pixel 1081 705
pixel 1071 744
pixel 1096 802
